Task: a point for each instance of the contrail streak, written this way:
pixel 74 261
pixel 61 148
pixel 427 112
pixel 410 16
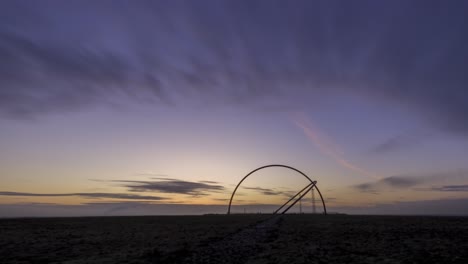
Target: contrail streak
pixel 326 145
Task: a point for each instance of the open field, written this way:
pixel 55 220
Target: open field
pixel 235 239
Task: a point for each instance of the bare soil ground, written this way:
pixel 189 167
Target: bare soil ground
pixel 236 239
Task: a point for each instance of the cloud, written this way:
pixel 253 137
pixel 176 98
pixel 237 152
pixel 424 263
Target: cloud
pixel 211 182
pixel 398 182
pixel 408 181
pixel 53 58
pixel 169 185
pixel 265 191
pixel 389 182
pixel 398 142
pixel 221 199
pixel 88 195
pixel 450 188
pixel 64 79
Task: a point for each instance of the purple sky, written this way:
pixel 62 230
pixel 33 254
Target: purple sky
pixel 161 107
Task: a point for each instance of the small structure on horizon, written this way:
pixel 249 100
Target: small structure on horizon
pixel 313 201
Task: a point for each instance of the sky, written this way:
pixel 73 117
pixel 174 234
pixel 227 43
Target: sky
pixel 161 107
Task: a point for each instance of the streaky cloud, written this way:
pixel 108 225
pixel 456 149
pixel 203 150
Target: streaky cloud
pixel 326 146
pixel 88 195
pixel 54 58
pixel 450 188
pixel 265 191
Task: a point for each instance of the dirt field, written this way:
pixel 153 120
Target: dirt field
pixel 235 239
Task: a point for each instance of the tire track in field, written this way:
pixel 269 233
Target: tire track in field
pixel 238 247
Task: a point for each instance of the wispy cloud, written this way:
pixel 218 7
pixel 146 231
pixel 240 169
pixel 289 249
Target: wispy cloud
pixel 325 145
pixel 88 195
pixel 399 142
pixel 389 182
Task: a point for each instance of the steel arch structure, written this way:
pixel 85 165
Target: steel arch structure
pixel 313 183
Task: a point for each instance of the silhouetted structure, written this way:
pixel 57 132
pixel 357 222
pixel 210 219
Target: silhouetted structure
pixel 310 187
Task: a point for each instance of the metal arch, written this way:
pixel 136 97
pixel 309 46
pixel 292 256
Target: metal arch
pixel 282 166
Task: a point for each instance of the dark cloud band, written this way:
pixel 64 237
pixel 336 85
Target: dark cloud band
pixel 55 58
pixel 410 181
pixel 451 188
pixel 174 186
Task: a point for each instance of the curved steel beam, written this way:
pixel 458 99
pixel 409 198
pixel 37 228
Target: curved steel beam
pixel 321 198
pixel 275 165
